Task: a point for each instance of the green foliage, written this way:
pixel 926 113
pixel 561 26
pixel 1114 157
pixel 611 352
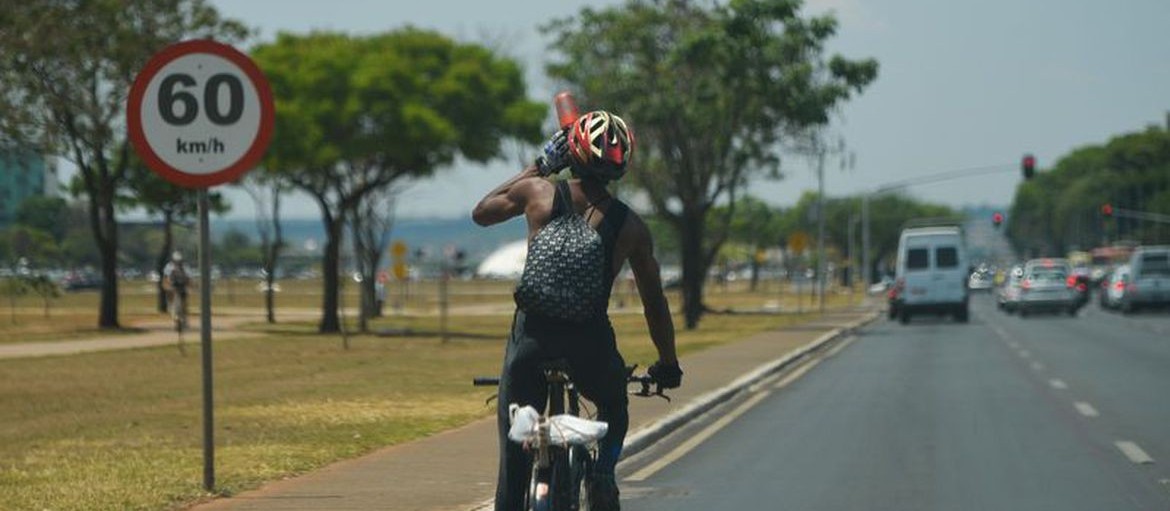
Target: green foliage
pixel 711 92
pixel 356 114
pixel 65 71
pixel 1060 210
pixel 48 214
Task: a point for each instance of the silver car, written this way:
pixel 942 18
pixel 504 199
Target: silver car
pixel 1113 287
pixel 1048 285
pixel 1149 284
pixel 1009 293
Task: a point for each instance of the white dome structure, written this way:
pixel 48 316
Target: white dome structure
pixel 507 262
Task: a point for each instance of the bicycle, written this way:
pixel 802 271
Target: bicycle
pixel 560 470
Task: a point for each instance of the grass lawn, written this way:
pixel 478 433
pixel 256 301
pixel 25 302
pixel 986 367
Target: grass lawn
pixel 122 429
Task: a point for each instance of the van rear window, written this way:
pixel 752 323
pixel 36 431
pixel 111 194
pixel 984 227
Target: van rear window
pixel 1155 264
pixel 917 259
pixel 947 257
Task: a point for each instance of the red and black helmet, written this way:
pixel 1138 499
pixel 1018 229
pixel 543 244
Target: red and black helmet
pixel 601 145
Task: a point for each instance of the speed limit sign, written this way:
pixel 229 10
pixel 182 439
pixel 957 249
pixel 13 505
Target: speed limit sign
pixel 200 113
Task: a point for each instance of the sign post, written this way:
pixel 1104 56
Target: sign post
pixel 200 114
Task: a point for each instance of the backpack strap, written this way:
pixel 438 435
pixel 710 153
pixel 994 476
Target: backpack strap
pixel 609 229
pixel 561 198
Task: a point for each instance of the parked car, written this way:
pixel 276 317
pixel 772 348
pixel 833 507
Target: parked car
pixel 1149 284
pixel 1048 286
pixel 1009 293
pixel 931 275
pixel 1113 287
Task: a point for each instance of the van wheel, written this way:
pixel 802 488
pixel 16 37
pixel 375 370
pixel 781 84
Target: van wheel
pixel 962 314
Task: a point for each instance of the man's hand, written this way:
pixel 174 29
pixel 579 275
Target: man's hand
pixel 668 375
pixel 555 154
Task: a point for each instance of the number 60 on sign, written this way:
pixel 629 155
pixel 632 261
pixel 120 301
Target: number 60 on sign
pixel 200 113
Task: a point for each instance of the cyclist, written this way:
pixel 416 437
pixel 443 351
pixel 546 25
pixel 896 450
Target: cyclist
pixel 175 282
pixel 596 148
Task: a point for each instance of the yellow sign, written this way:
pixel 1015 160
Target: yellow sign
pixel 398 249
pixel 798 241
pixel 400 270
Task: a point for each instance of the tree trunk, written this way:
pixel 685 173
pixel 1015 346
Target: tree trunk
pixel 694 269
pixel 271 255
pixel 364 308
pixel 161 262
pixel 330 270
pixel 106 236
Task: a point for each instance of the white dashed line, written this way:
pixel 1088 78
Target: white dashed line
pixel 1133 452
pixel 1037 366
pixel 1086 409
pixel 698 439
pixel 1058 384
pixel 1025 354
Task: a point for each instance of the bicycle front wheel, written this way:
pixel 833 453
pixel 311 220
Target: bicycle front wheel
pixel 539 496
pixel 580 467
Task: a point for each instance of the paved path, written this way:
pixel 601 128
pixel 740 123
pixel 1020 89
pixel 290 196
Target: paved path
pixel 455 470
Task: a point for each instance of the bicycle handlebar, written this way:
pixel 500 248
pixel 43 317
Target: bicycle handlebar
pixel 644 380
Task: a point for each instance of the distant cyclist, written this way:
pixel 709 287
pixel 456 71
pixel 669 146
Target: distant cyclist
pixel 561 255
pixel 175 282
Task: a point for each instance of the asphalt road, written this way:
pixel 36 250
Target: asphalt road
pixel 1003 413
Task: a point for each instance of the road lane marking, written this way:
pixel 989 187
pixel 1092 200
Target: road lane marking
pixel 1058 384
pixel 1025 354
pixel 698 439
pixel 1086 409
pixel 693 442
pixel 1037 366
pixel 1133 452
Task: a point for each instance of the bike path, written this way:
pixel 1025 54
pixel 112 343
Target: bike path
pixel 456 470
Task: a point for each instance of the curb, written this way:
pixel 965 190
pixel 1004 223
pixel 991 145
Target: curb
pixel 657 430
pixel 660 428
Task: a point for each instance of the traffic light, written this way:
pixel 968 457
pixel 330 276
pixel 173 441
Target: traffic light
pixel 1028 166
pixel 997 219
pixel 1107 210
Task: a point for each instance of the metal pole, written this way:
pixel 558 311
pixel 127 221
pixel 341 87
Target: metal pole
pixel 821 266
pixel 865 265
pixel 205 335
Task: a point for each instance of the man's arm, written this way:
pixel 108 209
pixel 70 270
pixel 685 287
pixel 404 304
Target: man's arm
pixel 507 200
pixel 649 280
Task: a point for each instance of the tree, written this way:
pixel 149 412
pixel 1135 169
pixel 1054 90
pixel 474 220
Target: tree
pixel 48 214
pixel 265 192
pixel 756 225
pixel 1059 210
pixel 370 225
pixel 711 92
pixel 65 70
pixel 357 114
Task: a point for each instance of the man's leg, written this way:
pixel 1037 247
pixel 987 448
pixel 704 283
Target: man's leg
pixel 522 383
pixel 600 373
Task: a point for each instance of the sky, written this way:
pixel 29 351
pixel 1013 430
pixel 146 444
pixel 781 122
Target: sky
pixel 962 85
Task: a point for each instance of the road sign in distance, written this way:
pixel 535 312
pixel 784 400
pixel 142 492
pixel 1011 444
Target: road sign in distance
pixel 200 113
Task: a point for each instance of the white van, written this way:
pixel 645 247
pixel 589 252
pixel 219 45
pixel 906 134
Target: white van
pixel 932 273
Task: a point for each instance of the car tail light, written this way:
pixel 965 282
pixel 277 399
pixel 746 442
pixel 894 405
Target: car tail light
pixel 1071 281
pixel 1120 286
pixel 1082 288
pixel 1025 285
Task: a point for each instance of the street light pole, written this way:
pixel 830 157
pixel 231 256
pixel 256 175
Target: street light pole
pixel 821 225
